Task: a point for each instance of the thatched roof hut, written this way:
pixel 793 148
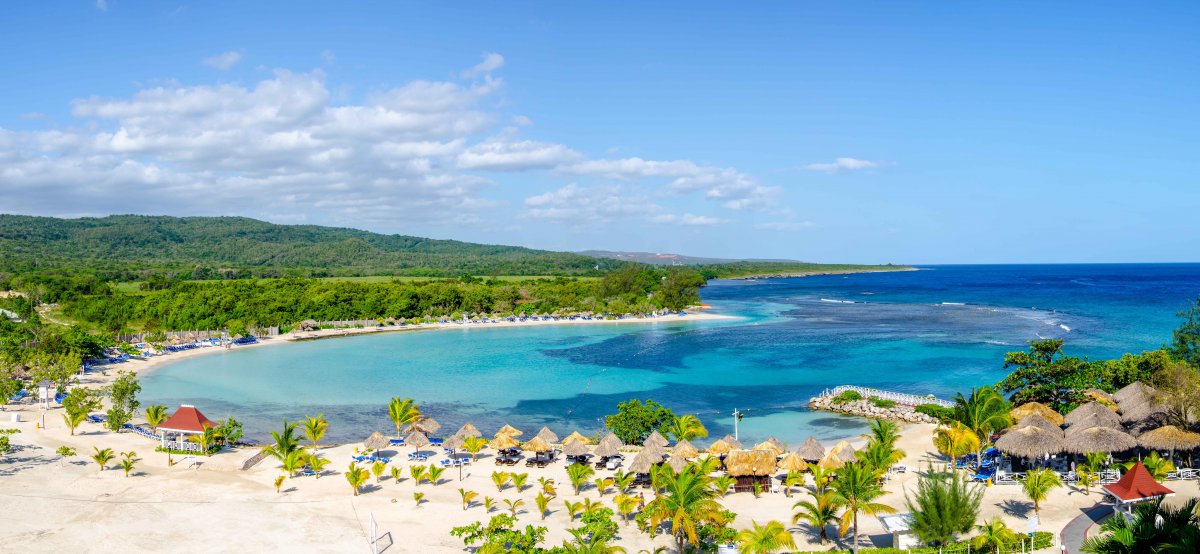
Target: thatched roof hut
pixel 750 467
pixel 770 447
pixel 612 438
pixel 811 450
pixel 643 462
pixel 1099 439
pixel 416 439
pixel 1030 442
pixel 719 447
pixel 1035 420
pixel 537 444
pixel 504 442
pixel 425 424
pixel 1141 411
pixel 1031 408
pixel 1147 424
pixel 575 448
pixel 655 451
pixel 1133 389
pixel 509 430
pixel 656 439
pixel 848 455
pixel 376 441
pixel 736 444
pixel 684 449
pixel 1170 438
pixel 792 462
pixel 831 460
pixel 605 449
pixel 546 435
pixel 468 430
pixel 676 463
pixel 1086 410
pixel 782 446
pixel 1096 419
pixel 455 442
pixel 576 436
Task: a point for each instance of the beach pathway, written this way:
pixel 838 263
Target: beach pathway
pixel 1075 531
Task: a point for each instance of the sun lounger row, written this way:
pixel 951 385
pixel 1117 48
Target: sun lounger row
pixel 455 462
pixel 372 459
pixel 417 457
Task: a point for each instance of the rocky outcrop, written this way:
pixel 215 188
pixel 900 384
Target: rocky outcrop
pixel 867 408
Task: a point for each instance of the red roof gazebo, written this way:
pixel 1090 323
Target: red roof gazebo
pixel 187 420
pixel 1137 485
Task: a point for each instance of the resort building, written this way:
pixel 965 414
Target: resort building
pixel 186 421
pixel 1136 486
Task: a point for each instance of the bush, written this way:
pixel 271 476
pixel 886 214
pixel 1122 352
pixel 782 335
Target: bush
pixel 881 403
pixel 936 412
pixel 1041 539
pixel 847 396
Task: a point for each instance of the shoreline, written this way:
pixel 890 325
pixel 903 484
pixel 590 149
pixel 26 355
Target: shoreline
pixel 803 274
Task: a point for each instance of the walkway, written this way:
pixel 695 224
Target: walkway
pixel 1075 531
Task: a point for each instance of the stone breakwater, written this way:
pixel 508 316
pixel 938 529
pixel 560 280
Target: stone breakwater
pixel 867 408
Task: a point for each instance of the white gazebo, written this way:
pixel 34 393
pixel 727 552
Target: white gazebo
pixel 187 420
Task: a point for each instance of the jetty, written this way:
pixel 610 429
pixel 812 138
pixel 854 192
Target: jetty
pixel 877 403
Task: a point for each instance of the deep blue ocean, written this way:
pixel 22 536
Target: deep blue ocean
pixel 940 330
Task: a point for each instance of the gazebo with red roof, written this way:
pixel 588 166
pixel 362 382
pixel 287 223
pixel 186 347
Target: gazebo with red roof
pixel 187 420
pixel 1137 485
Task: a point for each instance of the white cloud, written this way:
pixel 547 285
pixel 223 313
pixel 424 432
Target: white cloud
pixel 589 206
pixel 785 226
pixel 513 156
pixel 848 164
pixel 491 62
pixel 223 61
pixel 732 188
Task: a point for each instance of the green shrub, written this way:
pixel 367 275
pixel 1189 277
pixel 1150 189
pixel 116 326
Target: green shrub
pixel 1041 539
pixel 937 412
pixel 847 396
pixel 881 403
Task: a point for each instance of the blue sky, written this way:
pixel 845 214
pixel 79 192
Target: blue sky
pixel 838 132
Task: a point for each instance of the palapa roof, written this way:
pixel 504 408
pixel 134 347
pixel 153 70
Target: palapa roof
pixel 425 424
pixel 732 441
pixel 676 463
pixel 1085 411
pixel 509 430
pixel 547 435
pixel 1133 389
pixel 811 450
pixel 655 451
pixel 848 455
pixel 643 462
pixel 187 419
pixel 417 439
pixel 1031 408
pixel 1096 419
pixel 468 430
pixel 575 448
pixel 605 448
pixel 455 442
pixel 576 436
pixel 685 449
pixel 831 461
pixel 741 463
pixel 792 462
pixel 537 444
pixel 770 447
pixel 1036 420
pixel 1142 410
pixel 502 442
pixel 719 447
pixel 1169 437
pixel 612 438
pixel 1137 484
pixel 1099 439
pixel 376 441
pixel 656 438
pixel 1030 442
pixel 782 446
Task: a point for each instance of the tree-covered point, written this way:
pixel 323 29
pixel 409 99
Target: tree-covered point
pixel 748 269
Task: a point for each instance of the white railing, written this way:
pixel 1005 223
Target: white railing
pixel 897 397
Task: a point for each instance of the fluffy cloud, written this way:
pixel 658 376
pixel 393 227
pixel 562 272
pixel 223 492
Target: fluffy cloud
pixel 732 188
pixel 491 62
pixel 514 156
pixel 588 206
pixel 840 164
pixel 223 61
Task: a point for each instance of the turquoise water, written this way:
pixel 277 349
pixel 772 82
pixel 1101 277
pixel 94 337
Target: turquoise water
pixel 941 330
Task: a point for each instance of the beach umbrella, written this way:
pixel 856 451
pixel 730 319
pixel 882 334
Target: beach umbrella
pixel 1086 410
pixel 1170 438
pixel 780 445
pixel 719 447
pixel 509 430
pixel 468 430
pixel 1133 389
pixel 1030 442
pixel 455 442
pixel 811 450
pixel 376 441
pixel 1099 439
pixel 676 463
pixel 792 462
pixel 575 436
pixel 642 463
pixel 1031 408
pixel 547 435
pixel 575 448
pixel 656 439
pixel 537 444
pixel 1145 410
pixel 657 453
pixel 848 455
pixel 831 461
pixel 612 438
pixel 605 449
pixel 769 447
pixel 1096 419
pixel 504 442
pixel 1036 420
pixel 416 439
pixel 426 425
pixel 685 449
pixel 736 444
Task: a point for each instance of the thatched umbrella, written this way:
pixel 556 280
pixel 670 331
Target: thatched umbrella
pixel 1142 411
pixel 782 446
pixel 1086 410
pixel 547 435
pixel 736 444
pixel 509 430
pixel 676 463
pixel 1133 389
pixel 455 442
pixel 1148 423
pixel 416 439
pixel 575 448
pixel 537 444
pixel 1170 438
pixel 576 436
pixel 425 424
pixel 468 430
pixel 685 449
pixel 848 455
pixel 811 450
pixel 376 441
pixel 642 463
pixel 1035 420
pixel 612 438
pixel 656 439
pixel 1097 419
pixel 1031 408
pixel 655 452
pixel 770 447
pixel 605 449
pixel 1030 442
pixel 831 461
pixel 720 447
pixel 504 442
pixel 1099 439
pixel 792 462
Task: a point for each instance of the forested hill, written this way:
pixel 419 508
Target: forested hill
pixel 222 247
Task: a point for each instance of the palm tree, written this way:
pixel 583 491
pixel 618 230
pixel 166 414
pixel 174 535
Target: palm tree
pixel 396 474
pixel 206 439
pixel 765 539
pixel 293 462
pixel 501 478
pixel 403 412
pixel 573 508
pixel 488 504
pixel 687 501
pixel 720 485
pixel 377 470
pixel 128 459
pixel 623 480
pixel 955 440
pixel 279 483
pixel 943 506
pixel 793 478
pixel 1153 528
pixel 316 463
pixel 579 474
pixel 435 474
pixel 817 514
pixel 155 415
pixel 1037 486
pixel 315 428
pixel 467 497
pixel 74 420
pixel 102 457
pixel 880 456
pixel 543 504
pixel 518 480
pixel 357 477
pixel 417 472
pixel 883 432
pixel 1088 471
pixel 285 442
pixel 514 505
pixel 994 535
pixel 603 484
pixel 856 489
pixel 821 477
pixel 686 427
pixel 984 412
pixel 1158 466
pixel 418 497
pixel 588 543
pixel 547 486
pixel 626 504
pixel 473 445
